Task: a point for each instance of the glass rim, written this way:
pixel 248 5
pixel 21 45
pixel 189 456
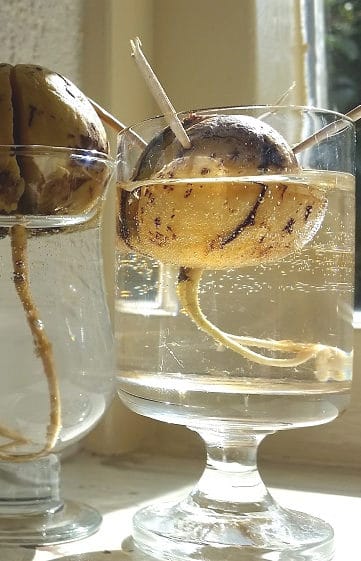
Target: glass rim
pixel 263 107
pixel 44 150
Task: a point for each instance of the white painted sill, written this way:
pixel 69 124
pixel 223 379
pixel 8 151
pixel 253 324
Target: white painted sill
pixel 118 486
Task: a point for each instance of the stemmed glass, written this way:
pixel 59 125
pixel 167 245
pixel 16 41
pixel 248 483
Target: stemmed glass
pixel 260 255
pixel 57 360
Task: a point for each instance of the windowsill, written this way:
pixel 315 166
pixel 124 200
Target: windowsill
pixel 117 487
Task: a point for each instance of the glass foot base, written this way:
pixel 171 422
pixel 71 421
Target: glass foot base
pixel 73 521
pixel 180 532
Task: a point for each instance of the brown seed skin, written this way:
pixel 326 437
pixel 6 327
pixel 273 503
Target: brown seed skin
pixel 41 107
pixel 11 183
pixel 220 224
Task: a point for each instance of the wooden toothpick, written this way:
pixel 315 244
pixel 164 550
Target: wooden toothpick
pixel 159 94
pixel 327 131
pixel 114 123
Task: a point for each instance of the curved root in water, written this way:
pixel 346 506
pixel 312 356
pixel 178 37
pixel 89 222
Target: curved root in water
pixel 330 362
pixel 43 350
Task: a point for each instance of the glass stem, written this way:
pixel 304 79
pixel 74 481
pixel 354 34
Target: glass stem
pixel 231 481
pixel 30 487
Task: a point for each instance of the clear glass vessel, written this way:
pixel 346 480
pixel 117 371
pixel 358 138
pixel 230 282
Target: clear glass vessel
pixel 251 235
pixel 57 361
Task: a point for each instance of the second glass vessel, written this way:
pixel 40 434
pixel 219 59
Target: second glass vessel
pixel 56 341
pixel 256 256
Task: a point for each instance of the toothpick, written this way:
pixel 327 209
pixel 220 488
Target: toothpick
pixel 327 131
pixel 114 123
pixel 159 94
pixel 279 101
pixel 355 113
pixel 106 117
pixel 285 94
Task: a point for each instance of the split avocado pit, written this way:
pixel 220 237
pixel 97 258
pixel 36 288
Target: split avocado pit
pixel 42 108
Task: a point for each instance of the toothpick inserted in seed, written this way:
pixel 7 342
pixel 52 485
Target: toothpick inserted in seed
pixel 159 94
pixel 114 123
pixel 327 131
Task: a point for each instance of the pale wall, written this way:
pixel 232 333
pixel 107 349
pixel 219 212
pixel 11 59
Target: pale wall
pixel 45 32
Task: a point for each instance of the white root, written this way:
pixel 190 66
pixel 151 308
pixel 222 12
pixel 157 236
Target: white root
pixel 43 350
pixel 330 362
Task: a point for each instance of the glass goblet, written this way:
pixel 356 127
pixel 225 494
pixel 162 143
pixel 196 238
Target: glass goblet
pixel 258 242
pixel 57 363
